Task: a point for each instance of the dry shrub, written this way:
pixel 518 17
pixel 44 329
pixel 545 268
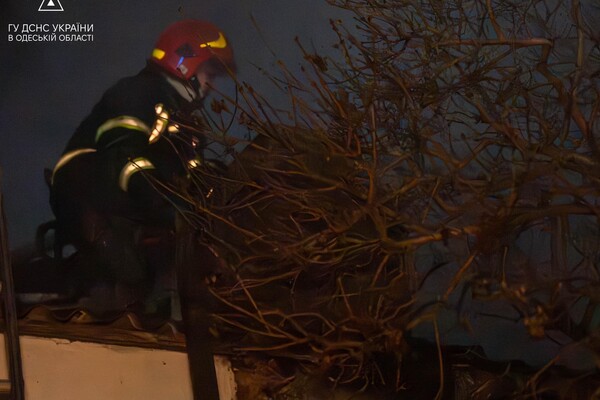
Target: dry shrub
pixel 451 146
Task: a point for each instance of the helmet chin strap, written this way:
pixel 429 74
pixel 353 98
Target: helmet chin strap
pixel 190 89
pixel 197 87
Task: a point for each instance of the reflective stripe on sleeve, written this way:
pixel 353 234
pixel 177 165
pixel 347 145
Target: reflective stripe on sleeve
pixel 131 168
pixel 123 121
pixel 68 157
pixel 194 162
pixel 161 123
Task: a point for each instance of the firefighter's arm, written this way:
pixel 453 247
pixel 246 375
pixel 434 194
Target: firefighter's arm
pixel 136 154
pixel 146 186
pixel 139 171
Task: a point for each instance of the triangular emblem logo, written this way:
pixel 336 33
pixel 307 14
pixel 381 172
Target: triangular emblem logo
pixel 50 5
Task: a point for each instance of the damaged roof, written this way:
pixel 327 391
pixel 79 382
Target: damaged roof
pixel 121 328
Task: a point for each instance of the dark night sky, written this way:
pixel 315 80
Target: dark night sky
pixel 48 88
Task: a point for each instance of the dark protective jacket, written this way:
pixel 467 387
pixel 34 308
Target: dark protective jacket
pixel 124 156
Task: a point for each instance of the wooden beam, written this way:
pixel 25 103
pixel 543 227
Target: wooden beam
pixel 13 347
pixel 193 265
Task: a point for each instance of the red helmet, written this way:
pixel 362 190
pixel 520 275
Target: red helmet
pixel 184 45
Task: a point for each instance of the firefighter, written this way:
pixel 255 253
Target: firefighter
pixel 112 190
